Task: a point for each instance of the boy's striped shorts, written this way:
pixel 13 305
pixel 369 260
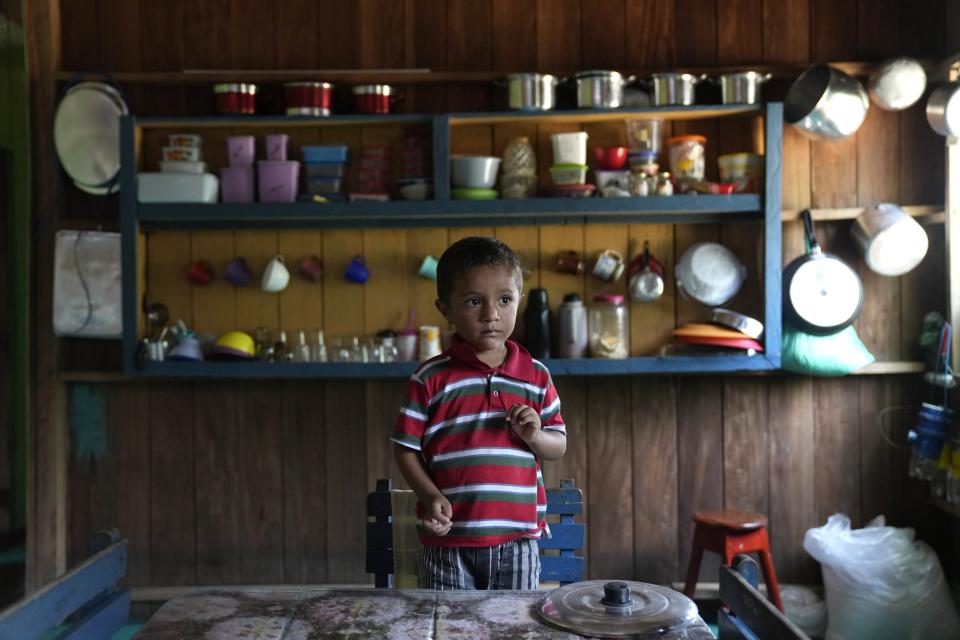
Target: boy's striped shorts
pixel 511 565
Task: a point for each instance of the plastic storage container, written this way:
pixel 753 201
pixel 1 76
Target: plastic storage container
pixel 609 327
pixel 644 135
pixel 687 157
pixel 569 148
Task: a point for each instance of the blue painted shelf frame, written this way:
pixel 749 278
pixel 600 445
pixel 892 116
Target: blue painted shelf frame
pixel 137 218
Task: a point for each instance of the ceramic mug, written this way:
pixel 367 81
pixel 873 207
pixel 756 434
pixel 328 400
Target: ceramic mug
pixel 357 271
pixel 311 268
pixel 200 272
pixel 238 272
pixel 428 268
pixel 569 262
pixel 609 265
pixel 275 276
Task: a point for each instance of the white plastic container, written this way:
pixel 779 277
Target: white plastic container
pixel 177 187
pixel 569 148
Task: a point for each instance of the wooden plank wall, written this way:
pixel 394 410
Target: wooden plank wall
pixel 253 482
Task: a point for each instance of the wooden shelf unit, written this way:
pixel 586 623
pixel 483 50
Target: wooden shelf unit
pixel 137 218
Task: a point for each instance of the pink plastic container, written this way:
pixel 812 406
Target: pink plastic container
pixel 241 150
pixel 236 184
pixel 278 180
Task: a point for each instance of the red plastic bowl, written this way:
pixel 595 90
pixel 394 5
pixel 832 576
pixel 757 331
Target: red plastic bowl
pixel 610 158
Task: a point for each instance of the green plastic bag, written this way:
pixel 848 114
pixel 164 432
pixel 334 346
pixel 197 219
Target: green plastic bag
pixel 834 355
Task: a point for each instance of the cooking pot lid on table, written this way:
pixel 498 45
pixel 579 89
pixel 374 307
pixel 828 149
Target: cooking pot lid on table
pixel 617 609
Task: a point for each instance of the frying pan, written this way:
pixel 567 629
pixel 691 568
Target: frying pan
pixel 821 293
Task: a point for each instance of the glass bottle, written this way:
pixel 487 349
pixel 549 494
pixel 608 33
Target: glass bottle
pixel 319 349
pixel 609 327
pixel 302 351
pixel 519 158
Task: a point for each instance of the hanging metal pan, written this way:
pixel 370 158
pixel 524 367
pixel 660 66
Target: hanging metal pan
pixel 821 293
pixel 86 134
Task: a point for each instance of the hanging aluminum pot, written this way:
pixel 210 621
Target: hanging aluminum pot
pixel 742 87
pixel 897 84
pixel 600 89
pixel 532 91
pixel 943 109
pixel 824 102
pixel 892 242
pixel 674 88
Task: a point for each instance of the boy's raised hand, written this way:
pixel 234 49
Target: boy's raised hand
pixel 438 517
pixel 525 422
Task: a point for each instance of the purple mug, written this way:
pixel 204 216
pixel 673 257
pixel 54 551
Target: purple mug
pixel 238 272
pixel 357 271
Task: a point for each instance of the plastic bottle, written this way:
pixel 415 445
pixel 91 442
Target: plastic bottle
pixel 572 328
pixel 536 323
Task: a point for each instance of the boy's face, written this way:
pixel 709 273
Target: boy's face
pixel 483 307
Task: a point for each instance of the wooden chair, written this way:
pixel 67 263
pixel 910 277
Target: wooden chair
pixel 85 602
pixel 392 550
pixel 746 614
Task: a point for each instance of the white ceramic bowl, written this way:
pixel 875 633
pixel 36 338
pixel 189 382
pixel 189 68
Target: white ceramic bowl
pixel 474 172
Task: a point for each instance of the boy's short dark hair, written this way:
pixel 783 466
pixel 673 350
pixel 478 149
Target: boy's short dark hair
pixel 475 251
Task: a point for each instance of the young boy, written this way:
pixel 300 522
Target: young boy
pixel 477 420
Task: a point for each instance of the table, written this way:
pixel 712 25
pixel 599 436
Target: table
pixel 303 614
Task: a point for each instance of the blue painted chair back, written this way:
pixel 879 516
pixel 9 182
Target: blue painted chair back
pixel 83 603
pixel 558 559
pixel 746 614
pixel 566 536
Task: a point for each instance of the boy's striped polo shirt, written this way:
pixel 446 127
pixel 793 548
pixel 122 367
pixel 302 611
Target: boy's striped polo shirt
pixel 455 415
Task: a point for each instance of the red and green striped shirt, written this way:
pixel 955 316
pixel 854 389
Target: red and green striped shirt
pixel 455 416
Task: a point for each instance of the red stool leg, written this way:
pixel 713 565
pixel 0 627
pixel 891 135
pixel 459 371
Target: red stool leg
pixel 693 568
pixel 769 575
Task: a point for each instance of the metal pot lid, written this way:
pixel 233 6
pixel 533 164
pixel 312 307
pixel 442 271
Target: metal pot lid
pixel 617 609
pixel 612 75
pixel 742 323
pixel 825 292
pixel 86 133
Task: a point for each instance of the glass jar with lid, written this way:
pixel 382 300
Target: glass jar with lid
pixel 609 327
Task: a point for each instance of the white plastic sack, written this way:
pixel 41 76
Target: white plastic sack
pixel 804 608
pixel 86 284
pixel 880 583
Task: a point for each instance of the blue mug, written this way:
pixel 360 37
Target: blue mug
pixel 357 271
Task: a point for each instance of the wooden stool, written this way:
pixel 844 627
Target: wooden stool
pixel 729 532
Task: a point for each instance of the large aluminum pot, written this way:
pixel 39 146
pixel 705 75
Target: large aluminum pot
pixel 943 109
pixel 892 242
pixel 897 84
pixel 742 87
pixel 674 88
pixel 532 91
pixel 600 89
pixel 826 103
